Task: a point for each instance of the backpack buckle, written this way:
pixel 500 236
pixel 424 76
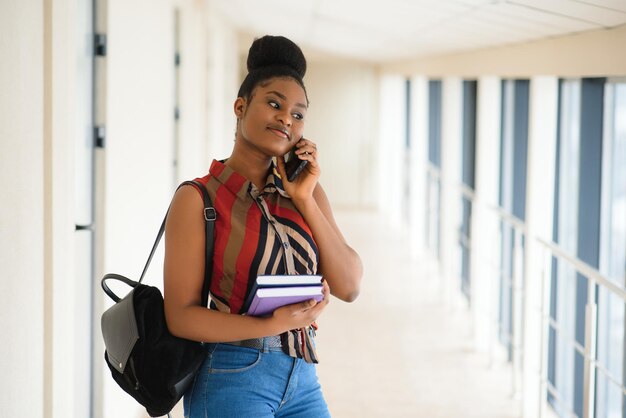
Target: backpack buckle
pixel 210 214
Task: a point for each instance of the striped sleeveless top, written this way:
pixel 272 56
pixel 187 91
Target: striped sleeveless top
pixel 257 232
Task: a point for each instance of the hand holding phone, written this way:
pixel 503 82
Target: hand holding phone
pixel 293 165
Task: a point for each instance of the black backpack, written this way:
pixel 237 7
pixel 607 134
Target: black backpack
pixel 145 360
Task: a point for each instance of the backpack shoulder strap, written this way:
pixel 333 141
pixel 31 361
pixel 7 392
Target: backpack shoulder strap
pixel 210 215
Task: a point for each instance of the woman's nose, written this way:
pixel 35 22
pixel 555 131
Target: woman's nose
pixel 284 118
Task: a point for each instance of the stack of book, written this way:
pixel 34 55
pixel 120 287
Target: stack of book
pixel 271 292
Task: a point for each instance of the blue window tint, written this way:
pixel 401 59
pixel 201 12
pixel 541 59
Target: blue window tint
pixel 433 188
pixel 512 197
pixel 434 122
pixel 562 309
pixel 577 231
pixel 611 325
pixel 468 158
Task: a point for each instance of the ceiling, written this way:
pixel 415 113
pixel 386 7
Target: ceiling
pixel 390 30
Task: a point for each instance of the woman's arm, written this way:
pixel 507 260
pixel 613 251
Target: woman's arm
pixel 184 276
pixel 339 264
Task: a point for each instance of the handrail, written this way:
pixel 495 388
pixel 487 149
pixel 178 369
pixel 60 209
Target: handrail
pixel 513 337
pixel 433 170
pixel 508 217
pixel 467 192
pixel 583 268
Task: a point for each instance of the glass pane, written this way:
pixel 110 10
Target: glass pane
pixel 433 196
pixel 468 179
pixel 506 146
pixel 464 242
pixel 563 357
pixel 469 132
pixel 434 122
pixel 506 287
pixel 613 251
pixel 569 158
pixel 610 354
pixel 611 308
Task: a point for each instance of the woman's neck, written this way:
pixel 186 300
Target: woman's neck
pixel 250 165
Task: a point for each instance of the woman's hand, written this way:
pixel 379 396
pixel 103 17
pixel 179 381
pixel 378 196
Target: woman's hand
pixel 302 187
pixel 300 315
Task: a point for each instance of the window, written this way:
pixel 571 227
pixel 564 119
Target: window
pixel 512 199
pixel 562 306
pixel 406 193
pixel 468 178
pixel 611 325
pixel 433 193
pixel 577 231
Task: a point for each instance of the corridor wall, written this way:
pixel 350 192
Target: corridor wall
pixel 139 174
pixel 343 120
pixel 22 226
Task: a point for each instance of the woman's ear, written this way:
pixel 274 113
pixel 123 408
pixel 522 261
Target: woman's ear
pixel 240 107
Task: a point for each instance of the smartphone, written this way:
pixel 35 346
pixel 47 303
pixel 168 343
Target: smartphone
pixel 293 165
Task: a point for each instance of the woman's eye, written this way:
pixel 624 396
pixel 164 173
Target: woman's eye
pixel 298 116
pixel 274 104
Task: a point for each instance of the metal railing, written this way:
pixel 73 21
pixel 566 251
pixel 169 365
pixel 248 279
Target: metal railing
pixel 514 277
pixel 433 191
pixel 516 281
pixel 589 350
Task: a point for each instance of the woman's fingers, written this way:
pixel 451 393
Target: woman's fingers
pixel 309 310
pixel 306 147
pixel 307 304
pixel 316 309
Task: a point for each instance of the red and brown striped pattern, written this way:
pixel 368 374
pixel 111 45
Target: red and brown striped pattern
pixel 257 232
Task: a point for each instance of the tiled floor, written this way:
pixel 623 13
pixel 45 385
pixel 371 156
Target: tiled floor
pixel 399 351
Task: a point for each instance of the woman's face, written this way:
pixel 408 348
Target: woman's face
pixel 272 121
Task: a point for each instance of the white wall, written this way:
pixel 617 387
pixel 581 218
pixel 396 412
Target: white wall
pixel 138 158
pixel 22 208
pixel 194 71
pixel 597 53
pixel 542 138
pixel 36 217
pixel 484 239
pixel 342 120
pixel 223 83
pixel 392 156
pixel 450 212
pixel 208 87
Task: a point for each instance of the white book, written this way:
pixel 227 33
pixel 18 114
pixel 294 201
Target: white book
pixel 288 280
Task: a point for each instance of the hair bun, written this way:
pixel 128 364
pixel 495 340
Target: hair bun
pixel 276 51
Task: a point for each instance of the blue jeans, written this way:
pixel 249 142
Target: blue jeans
pixel 242 382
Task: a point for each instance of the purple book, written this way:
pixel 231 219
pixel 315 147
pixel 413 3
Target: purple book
pixel 266 300
pixel 280 281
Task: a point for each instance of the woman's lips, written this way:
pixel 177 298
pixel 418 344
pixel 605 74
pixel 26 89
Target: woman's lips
pixel 280 132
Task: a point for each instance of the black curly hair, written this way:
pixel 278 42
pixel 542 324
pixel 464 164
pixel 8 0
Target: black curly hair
pixel 270 57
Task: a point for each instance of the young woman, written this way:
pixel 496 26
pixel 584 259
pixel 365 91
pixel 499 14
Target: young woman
pixel 258 366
